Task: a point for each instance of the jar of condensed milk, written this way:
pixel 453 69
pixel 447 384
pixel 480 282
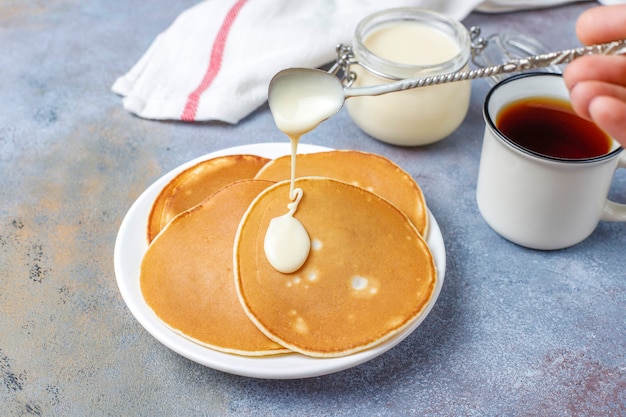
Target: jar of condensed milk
pixel 403 43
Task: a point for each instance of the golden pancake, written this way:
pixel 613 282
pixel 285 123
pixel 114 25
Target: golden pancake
pixel 373 172
pixel 187 279
pixel 198 182
pixel 368 276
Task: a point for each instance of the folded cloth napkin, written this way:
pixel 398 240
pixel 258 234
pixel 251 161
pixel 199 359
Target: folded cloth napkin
pixel 216 59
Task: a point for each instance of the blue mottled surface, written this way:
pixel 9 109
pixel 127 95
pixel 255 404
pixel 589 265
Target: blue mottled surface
pixel 515 331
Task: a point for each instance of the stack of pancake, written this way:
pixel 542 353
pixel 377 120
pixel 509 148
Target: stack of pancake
pixel 369 274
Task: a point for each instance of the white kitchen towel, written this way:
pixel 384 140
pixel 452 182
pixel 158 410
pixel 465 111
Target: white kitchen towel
pixel 499 6
pixel 216 59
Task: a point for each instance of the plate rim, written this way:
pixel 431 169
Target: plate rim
pixel 285 366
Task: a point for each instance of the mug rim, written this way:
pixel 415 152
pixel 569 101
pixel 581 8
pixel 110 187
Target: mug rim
pixel 492 125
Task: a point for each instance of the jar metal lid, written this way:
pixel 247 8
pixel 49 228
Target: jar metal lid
pixel 503 47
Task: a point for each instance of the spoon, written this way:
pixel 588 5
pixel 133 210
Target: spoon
pixel 302 98
pixel 310 96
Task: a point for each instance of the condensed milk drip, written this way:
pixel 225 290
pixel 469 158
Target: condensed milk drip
pixel 298 102
pixel 287 243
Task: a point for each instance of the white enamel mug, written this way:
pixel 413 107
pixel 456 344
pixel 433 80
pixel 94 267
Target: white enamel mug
pixel 535 200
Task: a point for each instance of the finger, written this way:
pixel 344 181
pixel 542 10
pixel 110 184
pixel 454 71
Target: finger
pixel 609 114
pixel 602 24
pixel 610 69
pixel 585 92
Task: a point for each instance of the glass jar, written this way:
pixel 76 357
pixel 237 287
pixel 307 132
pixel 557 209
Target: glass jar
pixel 406 43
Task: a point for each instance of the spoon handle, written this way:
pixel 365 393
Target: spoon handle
pixel 517 65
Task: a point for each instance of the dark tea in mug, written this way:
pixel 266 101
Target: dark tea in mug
pixel 549 126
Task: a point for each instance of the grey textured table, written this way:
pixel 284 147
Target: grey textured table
pixel 514 332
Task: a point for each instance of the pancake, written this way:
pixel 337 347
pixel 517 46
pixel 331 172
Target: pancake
pixel 368 276
pixel 373 172
pixel 198 182
pixel 186 274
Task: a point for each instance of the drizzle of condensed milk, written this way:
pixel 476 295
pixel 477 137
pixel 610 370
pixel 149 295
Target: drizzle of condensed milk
pixel 299 101
pixel 287 242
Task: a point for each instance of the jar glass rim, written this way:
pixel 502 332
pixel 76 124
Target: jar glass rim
pixel 396 70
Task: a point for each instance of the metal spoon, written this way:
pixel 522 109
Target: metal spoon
pixel 318 83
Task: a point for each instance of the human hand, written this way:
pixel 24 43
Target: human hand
pixel 597 84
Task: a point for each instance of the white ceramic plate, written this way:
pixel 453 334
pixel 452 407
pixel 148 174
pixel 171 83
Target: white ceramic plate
pixel 131 245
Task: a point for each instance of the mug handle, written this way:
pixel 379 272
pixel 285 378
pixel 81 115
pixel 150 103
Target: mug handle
pixel 615 212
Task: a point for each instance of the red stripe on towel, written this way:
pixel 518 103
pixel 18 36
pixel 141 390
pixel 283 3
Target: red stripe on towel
pixel 215 63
